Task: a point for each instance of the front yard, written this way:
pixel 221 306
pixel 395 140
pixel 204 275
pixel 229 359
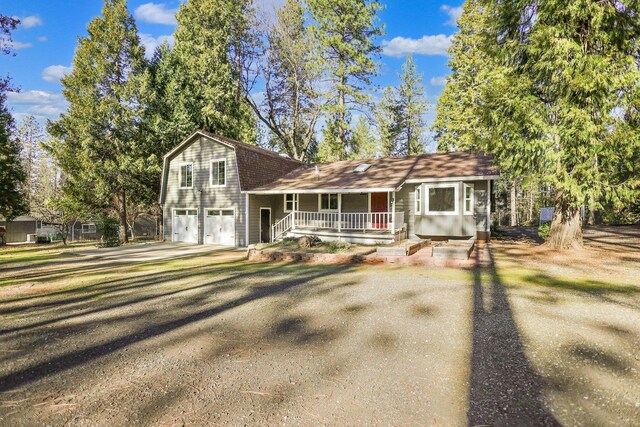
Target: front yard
pixel 541 339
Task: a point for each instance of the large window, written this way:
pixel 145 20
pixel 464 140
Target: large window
pixel 186 175
pixel 217 173
pixel 290 202
pixel 89 228
pixel 442 199
pixel 328 202
pixel 468 199
pixel 418 200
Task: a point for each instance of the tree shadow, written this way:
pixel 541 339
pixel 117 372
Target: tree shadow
pixel 504 388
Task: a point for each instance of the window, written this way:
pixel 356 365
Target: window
pixel 89 228
pixel 468 199
pixel 218 173
pixel 186 175
pixel 362 167
pixel 328 202
pixel 418 200
pixel 442 199
pixel 290 202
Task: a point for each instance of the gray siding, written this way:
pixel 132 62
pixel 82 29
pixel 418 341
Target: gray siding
pixel 200 152
pixel 17 230
pixel 454 225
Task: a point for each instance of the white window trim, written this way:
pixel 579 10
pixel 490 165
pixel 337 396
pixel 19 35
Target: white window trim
pixel 296 200
pixel 473 198
pixel 320 202
pixel 418 200
pixel 456 198
pixel 90 226
pixel 211 162
pixel 180 165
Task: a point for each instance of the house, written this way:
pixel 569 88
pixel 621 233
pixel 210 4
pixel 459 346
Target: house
pixel 215 190
pixel 18 230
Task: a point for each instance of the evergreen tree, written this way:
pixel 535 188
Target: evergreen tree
pixel 458 124
pixel 210 59
pixel 100 144
pixel 411 107
pixel 345 32
pixel 12 174
pixel 30 135
pixel 364 142
pixel 291 103
pixel 400 114
pixel 563 100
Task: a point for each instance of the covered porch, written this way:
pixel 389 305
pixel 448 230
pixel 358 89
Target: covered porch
pixel 358 217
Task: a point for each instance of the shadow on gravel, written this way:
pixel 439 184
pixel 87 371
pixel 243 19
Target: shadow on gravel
pixel 71 359
pixel 504 388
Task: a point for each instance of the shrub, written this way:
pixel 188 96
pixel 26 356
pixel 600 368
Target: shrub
pixel 108 226
pixel 544 230
pixel 338 245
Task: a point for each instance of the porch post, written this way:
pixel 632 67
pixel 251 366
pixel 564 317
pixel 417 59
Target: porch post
pixel 339 212
pixel 488 227
pixel 393 214
pixel 293 211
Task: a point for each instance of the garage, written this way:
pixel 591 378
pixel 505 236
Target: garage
pixel 220 227
pixel 185 225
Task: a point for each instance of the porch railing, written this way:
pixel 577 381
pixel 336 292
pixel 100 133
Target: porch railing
pixel 365 221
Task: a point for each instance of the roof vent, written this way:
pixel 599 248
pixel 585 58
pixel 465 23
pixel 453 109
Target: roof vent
pixel 362 167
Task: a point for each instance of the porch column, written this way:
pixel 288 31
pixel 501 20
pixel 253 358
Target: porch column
pixel 339 212
pixel 293 211
pixel 393 213
pixel 488 227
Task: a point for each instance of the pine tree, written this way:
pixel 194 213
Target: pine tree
pixel 364 142
pixel 563 100
pixel 100 144
pixel 210 58
pixel 400 114
pixel 291 103
pixel 411 107
pixel 30 135
pixel 346 33
pixel 12 174
pixel 458 124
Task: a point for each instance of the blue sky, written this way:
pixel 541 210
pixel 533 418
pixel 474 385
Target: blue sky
pixel 46 41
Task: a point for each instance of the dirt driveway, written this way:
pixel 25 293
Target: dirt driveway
pixel 213 340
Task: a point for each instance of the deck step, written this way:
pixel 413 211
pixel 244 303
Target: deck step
pixel 456 251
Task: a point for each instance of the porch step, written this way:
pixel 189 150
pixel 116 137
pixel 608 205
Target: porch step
pixel 458 250
pixel 405 248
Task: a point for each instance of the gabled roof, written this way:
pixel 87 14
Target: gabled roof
pixel 385 174
pixel 256 166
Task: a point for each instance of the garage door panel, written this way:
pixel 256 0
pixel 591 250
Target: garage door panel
pixel 220 227
pixel 185 225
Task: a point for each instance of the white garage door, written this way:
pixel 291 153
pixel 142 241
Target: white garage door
pixel 220 227
pixel 185 225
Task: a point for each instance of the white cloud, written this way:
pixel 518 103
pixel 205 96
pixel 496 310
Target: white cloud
pixel 427 45
pixel 54 73
pixel 454 14
pixel 12 44
pixel 150 43
pixel 438 81
pixel 27 22
pixel 43 39
pixel 155 13
pixel 37 102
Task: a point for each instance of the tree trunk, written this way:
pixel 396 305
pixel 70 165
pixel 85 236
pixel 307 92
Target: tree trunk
pixel 530 207
pixel 124 236
pixel 513 213
pixel 566 227
pixel 592 216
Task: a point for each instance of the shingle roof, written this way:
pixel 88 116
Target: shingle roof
pixel 384 173
pixel 257 166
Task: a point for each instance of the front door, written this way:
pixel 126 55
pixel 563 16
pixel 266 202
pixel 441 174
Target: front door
pixel 379 206
pixel 265 225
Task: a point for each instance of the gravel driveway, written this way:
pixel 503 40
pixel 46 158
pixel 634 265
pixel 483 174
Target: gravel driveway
pixel 210 340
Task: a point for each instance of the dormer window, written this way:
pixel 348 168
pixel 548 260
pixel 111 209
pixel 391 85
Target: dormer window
pixel 362 167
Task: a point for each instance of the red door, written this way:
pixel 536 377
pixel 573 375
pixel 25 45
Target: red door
pixel 379 203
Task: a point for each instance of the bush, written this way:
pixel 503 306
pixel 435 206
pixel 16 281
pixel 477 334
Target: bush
pixel 108 226
pixel 338 245
pixel 544 230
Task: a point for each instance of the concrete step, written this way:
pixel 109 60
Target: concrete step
pixel 457 251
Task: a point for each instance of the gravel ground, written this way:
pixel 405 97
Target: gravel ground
pixel 209 340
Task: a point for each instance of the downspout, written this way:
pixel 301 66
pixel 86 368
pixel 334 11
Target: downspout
pixel 246 219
